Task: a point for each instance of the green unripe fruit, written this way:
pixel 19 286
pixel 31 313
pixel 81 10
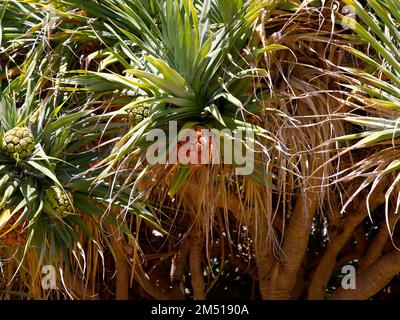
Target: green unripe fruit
pixel 61 201
pixel 137 114
pixel 18 143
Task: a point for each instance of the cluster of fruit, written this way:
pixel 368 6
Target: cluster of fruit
pixel 137 114
pixel 18 143
pixel 61 201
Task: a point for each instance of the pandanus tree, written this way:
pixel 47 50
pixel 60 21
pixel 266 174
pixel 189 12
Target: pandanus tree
pixel 189 65
pixel 310 92
pixel 50 208
pixel 51 211
pixel 374 100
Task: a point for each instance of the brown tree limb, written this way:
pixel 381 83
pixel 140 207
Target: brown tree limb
pixel 300 285
pixel 286 270
pixel 179 261
pixel 349 256
pixel 156 285
pixel 340 237
pixel 372 279
pixel 285 273
pixel 196 268
pixel 122 266
pixel 354 252
pixel 361 239
pixel 374 250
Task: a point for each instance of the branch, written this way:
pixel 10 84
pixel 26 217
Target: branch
pixel 372 279
pixel 196 268
pixel 358 212
pixel 179 261
pixel 374 250
pixel 287 269
pixel 284 275
pixel 156 286
pixel 118 244
pixel 351 253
